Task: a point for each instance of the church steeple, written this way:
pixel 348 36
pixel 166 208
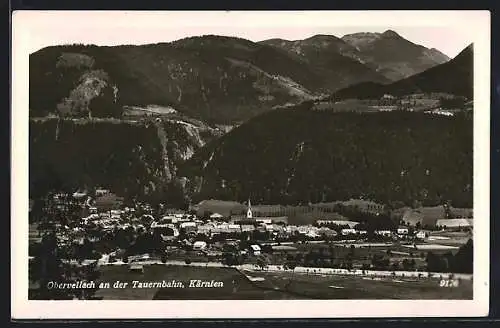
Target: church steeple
pixel 249 210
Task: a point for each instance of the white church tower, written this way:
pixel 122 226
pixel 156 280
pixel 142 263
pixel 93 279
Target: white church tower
pixel 249 210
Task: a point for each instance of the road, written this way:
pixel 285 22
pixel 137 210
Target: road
pixel 309 270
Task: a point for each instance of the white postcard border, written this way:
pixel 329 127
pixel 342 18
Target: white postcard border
pixel 475 23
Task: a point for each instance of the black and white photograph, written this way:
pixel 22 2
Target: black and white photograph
pixel 291 157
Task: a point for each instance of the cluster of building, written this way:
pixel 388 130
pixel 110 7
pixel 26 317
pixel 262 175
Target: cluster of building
pixel 106 214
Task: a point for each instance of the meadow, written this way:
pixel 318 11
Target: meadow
pixel 273 285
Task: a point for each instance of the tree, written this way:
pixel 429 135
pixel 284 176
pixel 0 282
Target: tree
pixel 206 215
pixel 105 104
pixel 267 249
pixel 262 262
pixel 412 264
pixel 187 261
pixel 436 263
pixel 463 259
pixel 157 242
pixel 47 267
pixel 229 258
pixel 379 262
pixel 406 264
pixel 88 273
pixel 290 265
pixel 352 249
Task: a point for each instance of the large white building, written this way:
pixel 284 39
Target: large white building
pixel 199 245
pixel 402 231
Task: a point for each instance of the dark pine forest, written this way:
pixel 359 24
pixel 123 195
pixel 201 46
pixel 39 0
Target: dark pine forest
pixel 294 156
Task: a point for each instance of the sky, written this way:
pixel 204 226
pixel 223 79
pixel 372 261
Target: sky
pixel 445 31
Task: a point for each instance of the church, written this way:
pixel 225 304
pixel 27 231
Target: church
pixel 249 211
pixel 242 217
pixel 251 218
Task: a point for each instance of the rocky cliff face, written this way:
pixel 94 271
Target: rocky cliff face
pixel 129 157
pixel 392 55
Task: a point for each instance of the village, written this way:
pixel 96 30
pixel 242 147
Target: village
pixel 431 103
pixel 103 231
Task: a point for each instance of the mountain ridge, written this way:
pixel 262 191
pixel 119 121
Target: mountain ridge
pixel 377 51
pixel 192 81
pixel 393 55
pixel 453 77
pixel 218 79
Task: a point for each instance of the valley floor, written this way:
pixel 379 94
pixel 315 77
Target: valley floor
pixel 248 282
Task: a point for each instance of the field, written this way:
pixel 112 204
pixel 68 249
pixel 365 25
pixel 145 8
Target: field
pixel 434 247
pixel 150 109
pixel 349 287
pixel 335 253
pixel 348 105
pixel 417 104
pixel 364 251
pixel 276 285
pixel 450 238
pixel 235 285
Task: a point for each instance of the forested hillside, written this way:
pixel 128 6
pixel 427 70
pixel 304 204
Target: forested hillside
pixel 293 156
